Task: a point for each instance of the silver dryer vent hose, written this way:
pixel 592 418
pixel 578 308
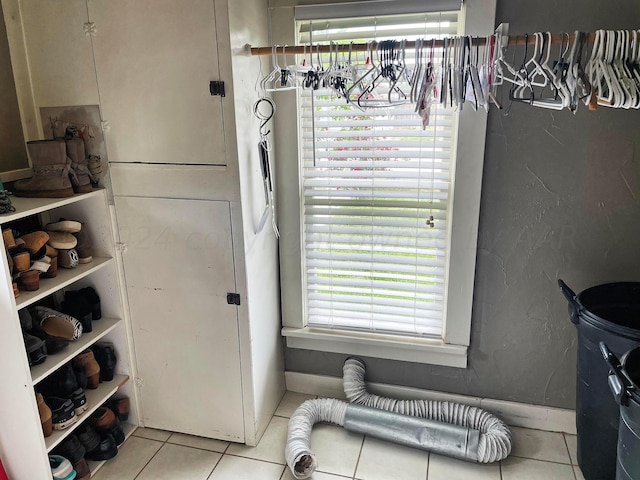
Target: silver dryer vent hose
pixel 495 438
pixel 447 428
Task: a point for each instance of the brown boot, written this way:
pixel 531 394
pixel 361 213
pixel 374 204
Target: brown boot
pixel 8 238
pixel 88 363
pixel 120 406
pixel 50 171
pixel 45 415
pixel 21 261
pixel 80 175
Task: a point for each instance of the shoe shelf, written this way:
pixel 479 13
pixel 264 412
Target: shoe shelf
pixel 99 329
pixel 95 398
pixel 65 276
pixel 128 429
pixel 31 206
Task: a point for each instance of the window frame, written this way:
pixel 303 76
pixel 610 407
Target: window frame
pixel 477 18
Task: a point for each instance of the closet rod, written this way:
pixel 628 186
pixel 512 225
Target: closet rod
pixel 363 47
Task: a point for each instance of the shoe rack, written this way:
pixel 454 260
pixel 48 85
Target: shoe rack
pixel 102 274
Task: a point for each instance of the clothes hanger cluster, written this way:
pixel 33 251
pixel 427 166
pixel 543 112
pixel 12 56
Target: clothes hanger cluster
pixel 614 68
pixel 552 71
pixel 389 73
pixel 553 77
pixel 562 74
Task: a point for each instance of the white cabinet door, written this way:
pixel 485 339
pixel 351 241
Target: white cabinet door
pixel 178 269
pixel 59 53
pixel 154 60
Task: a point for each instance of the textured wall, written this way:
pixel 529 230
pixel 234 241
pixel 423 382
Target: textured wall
pixel 561 199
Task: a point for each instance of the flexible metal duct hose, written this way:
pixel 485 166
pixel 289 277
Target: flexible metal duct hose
pixel 298 454
pixel 495 437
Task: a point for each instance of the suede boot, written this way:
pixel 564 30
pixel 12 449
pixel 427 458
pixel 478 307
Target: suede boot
pixel 51 169
pixel 80 174
pixel 45 415
pixel 91 368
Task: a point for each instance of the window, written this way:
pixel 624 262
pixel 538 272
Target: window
pixel 376 193
pixel 378 214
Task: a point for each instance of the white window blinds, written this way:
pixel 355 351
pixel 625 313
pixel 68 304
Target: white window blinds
pixel 372 181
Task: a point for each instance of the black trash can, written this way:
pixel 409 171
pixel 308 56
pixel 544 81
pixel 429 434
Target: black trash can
pixel 624 380
pixel 608 313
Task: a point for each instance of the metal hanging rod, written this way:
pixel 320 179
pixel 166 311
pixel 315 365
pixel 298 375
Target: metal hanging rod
pixel 556 38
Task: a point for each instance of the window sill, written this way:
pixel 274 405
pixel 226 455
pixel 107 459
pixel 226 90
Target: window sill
pixel 434 352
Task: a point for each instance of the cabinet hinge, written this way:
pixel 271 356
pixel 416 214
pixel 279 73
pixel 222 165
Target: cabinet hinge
pixel 121 247
pixel 90 29
pixel 216 88
pixel 233 298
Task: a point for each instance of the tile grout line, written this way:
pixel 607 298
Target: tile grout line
pixel 355 470
pixel 428 462
pixel 256 459
pixel 152 457
pixel 573 470
pixel 540 460
pixel 566 444
pixel 215 466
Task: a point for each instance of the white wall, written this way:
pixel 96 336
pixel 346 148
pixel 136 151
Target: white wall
pixel 260 248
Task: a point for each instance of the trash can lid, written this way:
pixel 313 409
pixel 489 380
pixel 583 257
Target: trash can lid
pixel 613 303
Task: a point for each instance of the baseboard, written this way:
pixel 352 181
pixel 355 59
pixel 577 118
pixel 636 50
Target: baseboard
pixel 513 413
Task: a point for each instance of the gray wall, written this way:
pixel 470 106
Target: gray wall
pixel 561 199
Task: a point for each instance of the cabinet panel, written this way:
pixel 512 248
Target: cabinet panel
pixel 178 264
pixel 154 60
pixel 59 52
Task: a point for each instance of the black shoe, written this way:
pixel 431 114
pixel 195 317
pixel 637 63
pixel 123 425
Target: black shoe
pixel 79 400
pixel 88 437
pixel 77 306
pixel 105 420
pixel 61 383
pixel 81 376
pixel 63 414
pixel 94 300
pixel 36 349
pixel 26 322
pixel 86 295
pixel 106 449
pixel 71 449
pixel 105 355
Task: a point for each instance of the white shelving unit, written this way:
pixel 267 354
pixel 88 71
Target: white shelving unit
pixel 102 274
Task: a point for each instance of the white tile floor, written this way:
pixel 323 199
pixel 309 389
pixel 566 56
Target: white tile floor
pixel 158 455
